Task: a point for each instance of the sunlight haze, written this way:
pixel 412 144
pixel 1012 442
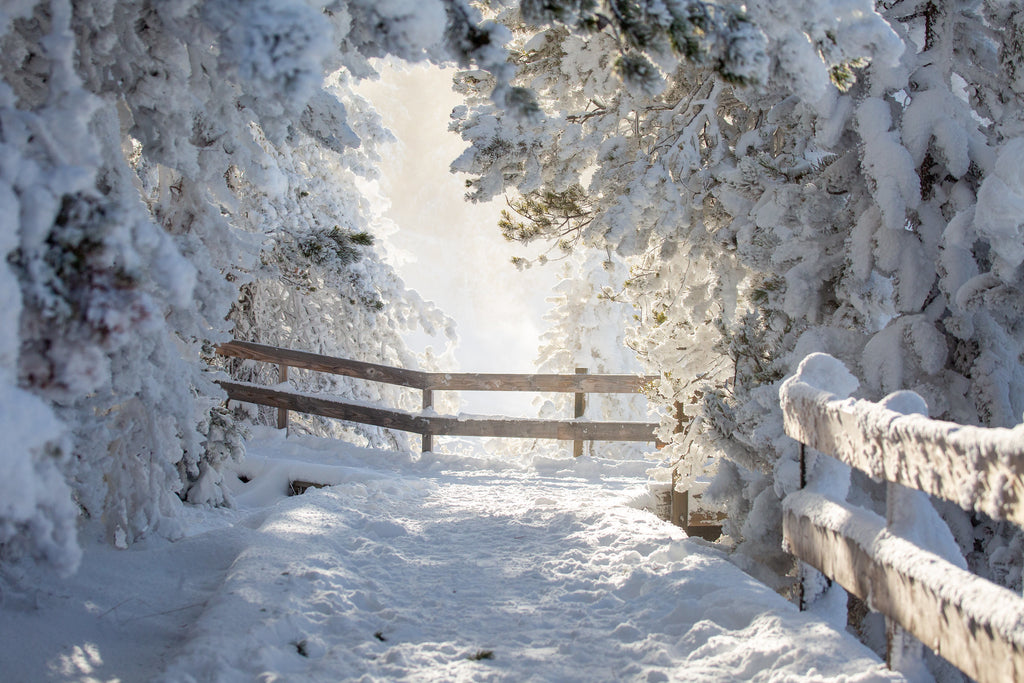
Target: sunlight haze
pixel 447 249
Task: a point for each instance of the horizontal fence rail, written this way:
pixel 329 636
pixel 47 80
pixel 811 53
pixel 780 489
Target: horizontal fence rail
pixel 430 425
pixel 972 623
pixel 969 621
pixel 313 361
pixel 566 430
pixel 440 381
pixel 966 465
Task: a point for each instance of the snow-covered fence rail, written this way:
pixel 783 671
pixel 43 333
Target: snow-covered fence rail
pixel 429 425
pixel 972 623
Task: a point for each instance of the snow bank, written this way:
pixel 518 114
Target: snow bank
pixel 1001 204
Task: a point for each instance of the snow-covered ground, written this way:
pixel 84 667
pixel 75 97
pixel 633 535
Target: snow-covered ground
pixel 440 568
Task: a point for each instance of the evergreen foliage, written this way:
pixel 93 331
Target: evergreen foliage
pixel 649 34
pixel 557 216
pixel 175 173
pixel 855 201
pixel 800 176
pixel 585 330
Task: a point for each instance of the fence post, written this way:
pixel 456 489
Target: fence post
pixel 801 568
pixel 804 571
pixel 679 505
pixel 427 439
pixel 579 408
pixel 903 652
pixel 282 413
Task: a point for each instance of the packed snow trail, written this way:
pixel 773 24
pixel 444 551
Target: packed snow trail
pixel 440 568
pixel 448 575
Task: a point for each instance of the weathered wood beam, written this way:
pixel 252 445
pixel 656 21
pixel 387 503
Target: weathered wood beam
pixel 427 439
pixel 579 409
pixel 972 623
pixel 589 384
pixel 524 428
pixel 326 407
pixel 314 361
pixel 282 413
pixel 567 430
pixel 445 381
pixel 976 468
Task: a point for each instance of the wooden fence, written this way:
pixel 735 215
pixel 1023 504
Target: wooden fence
pixel 972 623
pixel 429 425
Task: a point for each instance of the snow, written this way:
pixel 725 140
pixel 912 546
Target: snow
pixel 417 568
pixel 823 372
pixel 896 187
pixel 977 468
pixel 910 513
pixel 1000 202
pixel 33 494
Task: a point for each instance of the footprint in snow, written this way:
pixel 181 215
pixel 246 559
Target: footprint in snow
pixel 385 529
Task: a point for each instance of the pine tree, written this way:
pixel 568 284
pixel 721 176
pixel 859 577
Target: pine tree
pixel 155 160
pixel 585 330
pixel 855 202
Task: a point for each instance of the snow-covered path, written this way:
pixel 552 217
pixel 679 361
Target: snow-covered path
pixel 436 570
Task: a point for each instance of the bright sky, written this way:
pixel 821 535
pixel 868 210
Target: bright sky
pixel 448 250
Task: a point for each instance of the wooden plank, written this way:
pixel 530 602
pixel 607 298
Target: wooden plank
pixel 590 384
pixel 297 487
pixel 579 408
pixel 567 430
pixel 451 381
pixel 282 413
pixel 524 428
pixel 326 407
pixel 427 439
pixel 976 468
pixel 972 623
pixel 314 361
pixel 680 507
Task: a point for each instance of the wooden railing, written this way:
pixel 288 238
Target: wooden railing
pixel 430 425
pixel 972 623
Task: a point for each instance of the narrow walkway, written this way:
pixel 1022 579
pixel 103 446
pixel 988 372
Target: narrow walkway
pixel 499 575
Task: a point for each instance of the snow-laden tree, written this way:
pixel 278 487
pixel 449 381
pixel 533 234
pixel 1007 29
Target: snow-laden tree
pixel 157 157
pixel 319 285
pixel 856 199
pixel 585 330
